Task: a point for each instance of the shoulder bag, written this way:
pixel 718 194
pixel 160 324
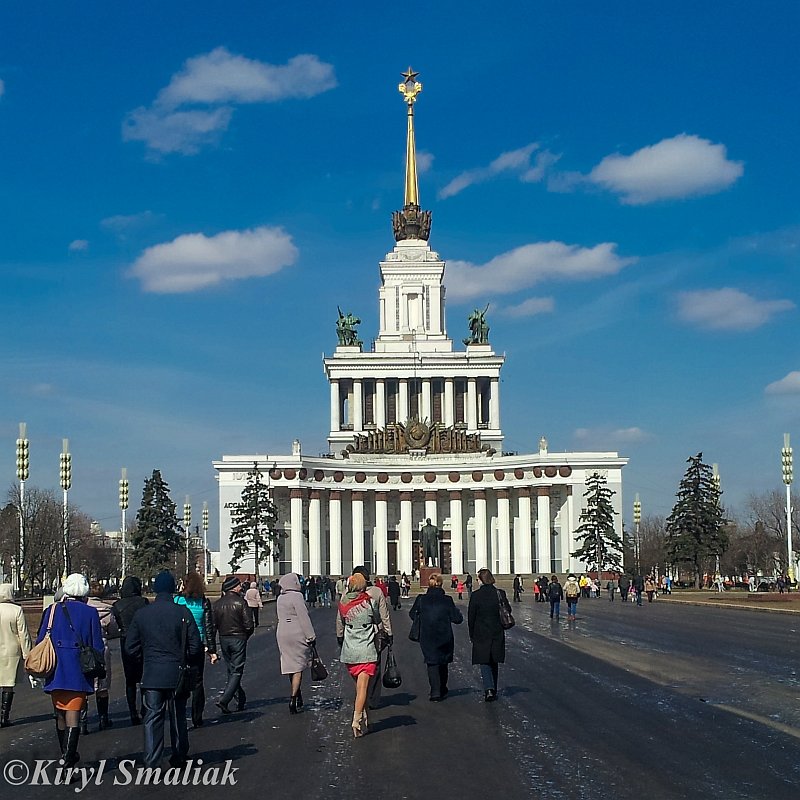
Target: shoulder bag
pixel 186 675
pixel 506 617
pixel 41 660
pixel 391 673
pixel 92 661
pixel 416 624
pixel 318 671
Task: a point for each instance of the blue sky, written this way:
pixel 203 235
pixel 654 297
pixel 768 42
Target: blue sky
pixel 187 191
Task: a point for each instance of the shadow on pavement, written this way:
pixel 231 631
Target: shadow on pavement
pixel 399 721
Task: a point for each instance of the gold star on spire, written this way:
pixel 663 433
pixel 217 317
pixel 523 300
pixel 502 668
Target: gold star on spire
pixel 410 87
pixel 409 75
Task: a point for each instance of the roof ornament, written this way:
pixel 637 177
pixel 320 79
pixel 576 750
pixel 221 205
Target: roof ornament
pixel 411 222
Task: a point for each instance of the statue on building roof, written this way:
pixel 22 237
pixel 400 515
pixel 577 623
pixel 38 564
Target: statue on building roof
pixel 346 329
pixel 478 327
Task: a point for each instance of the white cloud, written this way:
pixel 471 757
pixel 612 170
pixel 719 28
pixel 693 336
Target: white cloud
pixel 195 261
pixel 531 264
pixel 424 162
pixel 217 81
pixel 530 307
pixel 728 309
pixel 604 437
pixel 119 223
pixel 78 245
pixel 514 162
pixel 683 166
pixel 789 384
pixel 184 132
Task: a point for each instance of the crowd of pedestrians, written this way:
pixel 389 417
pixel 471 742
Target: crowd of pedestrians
pixel 165 643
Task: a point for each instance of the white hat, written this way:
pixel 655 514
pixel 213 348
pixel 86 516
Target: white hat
pixel 75 585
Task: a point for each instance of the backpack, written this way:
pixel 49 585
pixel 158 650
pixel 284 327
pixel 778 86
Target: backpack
pixel 573 590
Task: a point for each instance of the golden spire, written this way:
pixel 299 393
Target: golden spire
pixel 410 88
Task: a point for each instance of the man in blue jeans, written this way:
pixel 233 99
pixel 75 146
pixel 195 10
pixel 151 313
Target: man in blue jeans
pixel 555 594
pixel 234 627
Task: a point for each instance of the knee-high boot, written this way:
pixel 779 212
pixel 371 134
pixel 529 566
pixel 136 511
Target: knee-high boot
pixel 84 729
pixel 71 756
pixel 5 707
pixel 130 696
pixel 62 739
pixel 102 711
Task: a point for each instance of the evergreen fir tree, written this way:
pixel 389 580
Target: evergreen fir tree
pixel 158 537
pixel 253 523
pixel 696 527
pixel 601 546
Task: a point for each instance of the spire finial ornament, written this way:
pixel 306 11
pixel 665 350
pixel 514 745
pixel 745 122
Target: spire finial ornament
pixel 411 222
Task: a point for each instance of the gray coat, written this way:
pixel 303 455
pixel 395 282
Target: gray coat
pixel 357 623
pixel 295 630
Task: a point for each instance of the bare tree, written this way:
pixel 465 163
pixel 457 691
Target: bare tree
pixel 652 544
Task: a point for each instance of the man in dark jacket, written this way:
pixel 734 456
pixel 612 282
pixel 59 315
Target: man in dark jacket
pixel 638 588
pixel 555 594
pixel 624 587
pixel 130 601
pixel 234 627
pixel 158 633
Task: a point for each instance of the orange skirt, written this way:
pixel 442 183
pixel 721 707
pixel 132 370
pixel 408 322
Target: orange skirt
pixel 64 700
pixel 357 669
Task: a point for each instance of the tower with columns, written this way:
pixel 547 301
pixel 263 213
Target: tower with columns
pixel 415 434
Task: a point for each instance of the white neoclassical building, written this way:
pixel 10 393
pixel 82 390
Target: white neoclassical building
pixel 415 434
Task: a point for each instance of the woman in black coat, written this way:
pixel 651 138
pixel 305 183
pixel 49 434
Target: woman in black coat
pixel 130 601
pixel 486 632
pixel 437 614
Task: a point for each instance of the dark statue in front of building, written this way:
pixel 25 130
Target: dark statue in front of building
pixel 478 327
pixel 346 329
pixel 430 543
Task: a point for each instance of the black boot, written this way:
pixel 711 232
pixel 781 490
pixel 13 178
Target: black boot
pixel 102 711
pixel 84 729
pixel 62 739
pixel 299 699
pixel 130 696
pixel 5 707
pixel 71 756
pixel 293 704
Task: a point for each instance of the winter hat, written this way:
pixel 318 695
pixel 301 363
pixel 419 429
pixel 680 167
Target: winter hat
pixel 290 582
pixel 229 584
pixel 75 585
pixel 164 582
pixel 253 585
pixel 6 592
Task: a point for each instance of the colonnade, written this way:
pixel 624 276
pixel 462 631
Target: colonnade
pixel 506 531
pixel 478 411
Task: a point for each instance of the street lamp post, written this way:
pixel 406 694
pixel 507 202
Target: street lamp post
pixel 23 464
pixel 718 488
pixel 205 540
pixel 786 468
pixel 187 522
pixel 637 518
pixel 123 504
pixel 65 474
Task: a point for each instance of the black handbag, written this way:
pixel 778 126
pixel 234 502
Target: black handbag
pixel 416 625
pixel 506 617
pixel 92 662
pixel 318 671
pixel 186 674
pixel 391 673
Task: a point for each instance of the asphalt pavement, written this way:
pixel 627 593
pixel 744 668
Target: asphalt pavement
pixel 663 701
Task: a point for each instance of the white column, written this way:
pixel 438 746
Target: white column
pixel 358 406
pixel 335 533
pixel 427 408
pixel 494 404
pixel 456 533
pixel 380 403
pixel 402 400
pixel 381 533
pixel 472 406
pixel 481 542
pixel 296 524
pixel 522 542
pixel 404 534
pixel 357 517
pixel 449 410
pixel 431 507
pixel 543 529
pixel 335 422
pixel 315 534
pixel 567 528
pixel 503 532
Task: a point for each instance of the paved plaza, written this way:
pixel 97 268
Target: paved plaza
pixel 664 701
